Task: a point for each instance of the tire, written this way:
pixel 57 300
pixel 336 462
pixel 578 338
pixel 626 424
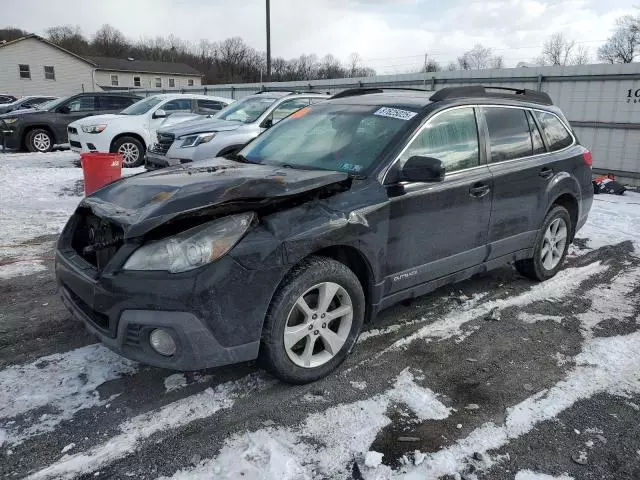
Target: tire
pixel 131 149
pixel 39 140
pixel 544 264
pixel 310 281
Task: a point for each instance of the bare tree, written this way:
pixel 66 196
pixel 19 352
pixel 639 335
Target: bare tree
pixel 110 42
pixel 556 50
pixel 69 38
pixel 624 45
pixel 479 57
pixel 8 34
pixel 452 67
pixel 354 64
pixel 581 57
pixel 330 67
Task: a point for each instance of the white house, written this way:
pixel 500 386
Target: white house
pixel 32 65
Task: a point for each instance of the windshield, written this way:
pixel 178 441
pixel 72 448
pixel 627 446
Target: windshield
pixel 247 110
pixel 51 104
pixel 141 107
pixel 347 138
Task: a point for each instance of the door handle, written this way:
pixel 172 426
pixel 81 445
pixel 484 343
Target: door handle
pixel 546 172
pixel 479 189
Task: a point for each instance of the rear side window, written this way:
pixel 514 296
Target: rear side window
pixel 451 137
pixel 82 104
pixel 554 131
pixel 178 105
pixel 509 135
pixel 209 106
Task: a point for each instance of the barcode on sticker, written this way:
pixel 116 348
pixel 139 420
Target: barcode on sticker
pixel 395 113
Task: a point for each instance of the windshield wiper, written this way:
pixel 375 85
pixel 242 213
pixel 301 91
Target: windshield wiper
pixel 237 157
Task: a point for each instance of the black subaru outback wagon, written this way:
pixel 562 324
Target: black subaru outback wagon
pixel 340 210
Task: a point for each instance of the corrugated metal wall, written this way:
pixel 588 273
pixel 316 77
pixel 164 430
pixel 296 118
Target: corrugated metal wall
pixel 601 101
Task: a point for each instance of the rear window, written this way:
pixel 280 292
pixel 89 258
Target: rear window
pixel 508 133
pixel 556 134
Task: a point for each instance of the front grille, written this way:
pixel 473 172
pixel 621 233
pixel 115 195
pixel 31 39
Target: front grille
pixel 132 335
pixel 73 143
pixel 165 140
pixel 96 240
pixel 72 130
pixel 100 319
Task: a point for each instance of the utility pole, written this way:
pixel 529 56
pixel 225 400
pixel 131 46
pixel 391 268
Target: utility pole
pixel 425 63
pixel 268 42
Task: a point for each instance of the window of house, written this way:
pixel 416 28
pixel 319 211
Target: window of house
pixel 554 131
pixel 114 80
pixel 49 73
pixel 451 137
pixel 509 133
pixel 190 82
pixel 25 72
pixel 137 82
pixel 172 82
pixel 158 82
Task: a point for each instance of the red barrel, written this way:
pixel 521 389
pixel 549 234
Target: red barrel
pixel 100 169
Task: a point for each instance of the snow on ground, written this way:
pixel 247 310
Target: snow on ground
pixel 613 217
pixel 64 382
pixel 323 445
pixel 530 475
pixel 39 192
pixel 141 427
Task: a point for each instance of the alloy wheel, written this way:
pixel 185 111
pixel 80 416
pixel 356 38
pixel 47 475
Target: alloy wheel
pixel 42 142
pixel 553 243
pixel 318 325
pixel 130 153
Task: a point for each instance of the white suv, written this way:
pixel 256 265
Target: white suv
pixel 134 129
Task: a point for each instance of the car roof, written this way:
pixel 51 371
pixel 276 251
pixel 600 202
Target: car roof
pixel 288 93
pixel 410 99
pixel 171 96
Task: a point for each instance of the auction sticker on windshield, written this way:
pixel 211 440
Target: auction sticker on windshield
pixel 395 113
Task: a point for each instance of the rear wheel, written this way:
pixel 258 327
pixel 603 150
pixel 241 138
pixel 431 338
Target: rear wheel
pixel 550 248
pixel 131 149
pixel 39 140
pixel 313 321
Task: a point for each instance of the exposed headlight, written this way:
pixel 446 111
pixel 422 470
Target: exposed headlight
pixel 195 140
pixel 9 121
pixel 94 128
pixel 192 248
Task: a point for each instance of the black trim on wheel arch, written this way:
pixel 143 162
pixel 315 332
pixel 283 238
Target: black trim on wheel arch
pixel 130 138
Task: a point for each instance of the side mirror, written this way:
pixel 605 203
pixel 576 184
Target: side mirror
pixel 268 123
pixel 64 109
pixel 160 113
pixel 423 169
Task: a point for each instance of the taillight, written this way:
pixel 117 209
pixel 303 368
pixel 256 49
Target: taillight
pixel 588 159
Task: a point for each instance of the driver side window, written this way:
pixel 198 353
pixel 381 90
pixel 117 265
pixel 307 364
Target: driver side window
pixel 82 104
pixel 452 137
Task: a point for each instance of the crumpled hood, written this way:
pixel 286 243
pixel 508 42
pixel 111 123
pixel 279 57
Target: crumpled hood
pixel 142 202
pixel 201 125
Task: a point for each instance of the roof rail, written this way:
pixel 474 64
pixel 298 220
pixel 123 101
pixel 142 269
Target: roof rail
pixel 451 93
pixel 287 90
pixel 352 92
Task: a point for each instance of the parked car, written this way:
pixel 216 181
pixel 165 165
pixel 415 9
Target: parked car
pixel 342 209
pixel 227 132
pixel 24 103
pixel 134 129
pixel 6 98
pixel 39 129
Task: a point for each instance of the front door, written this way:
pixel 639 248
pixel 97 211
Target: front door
pixel 74 109
pixel 179 105
pixel 439 228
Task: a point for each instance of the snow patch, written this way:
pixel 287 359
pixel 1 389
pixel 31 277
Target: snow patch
pixel 68 447
pixel 373 459
pixel 64 382
pixel 531 475
pixel 323 446
pixel 359 385
pixel 133 431
pixel 556 288
pixel 175 382
pixel 536 317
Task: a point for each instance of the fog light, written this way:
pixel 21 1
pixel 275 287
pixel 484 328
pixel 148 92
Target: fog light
pixel 162 342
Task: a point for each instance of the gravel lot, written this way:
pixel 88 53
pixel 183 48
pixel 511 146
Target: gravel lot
pixel 493 378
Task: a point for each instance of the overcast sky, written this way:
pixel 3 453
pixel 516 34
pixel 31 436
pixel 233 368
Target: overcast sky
pixel 390 35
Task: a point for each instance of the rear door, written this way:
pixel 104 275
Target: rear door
pixel 438 228
pixel 521 171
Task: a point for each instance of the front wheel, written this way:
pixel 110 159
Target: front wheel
pixel 313 321
pixel 551 246
pixel 132 151
pixel 39 140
